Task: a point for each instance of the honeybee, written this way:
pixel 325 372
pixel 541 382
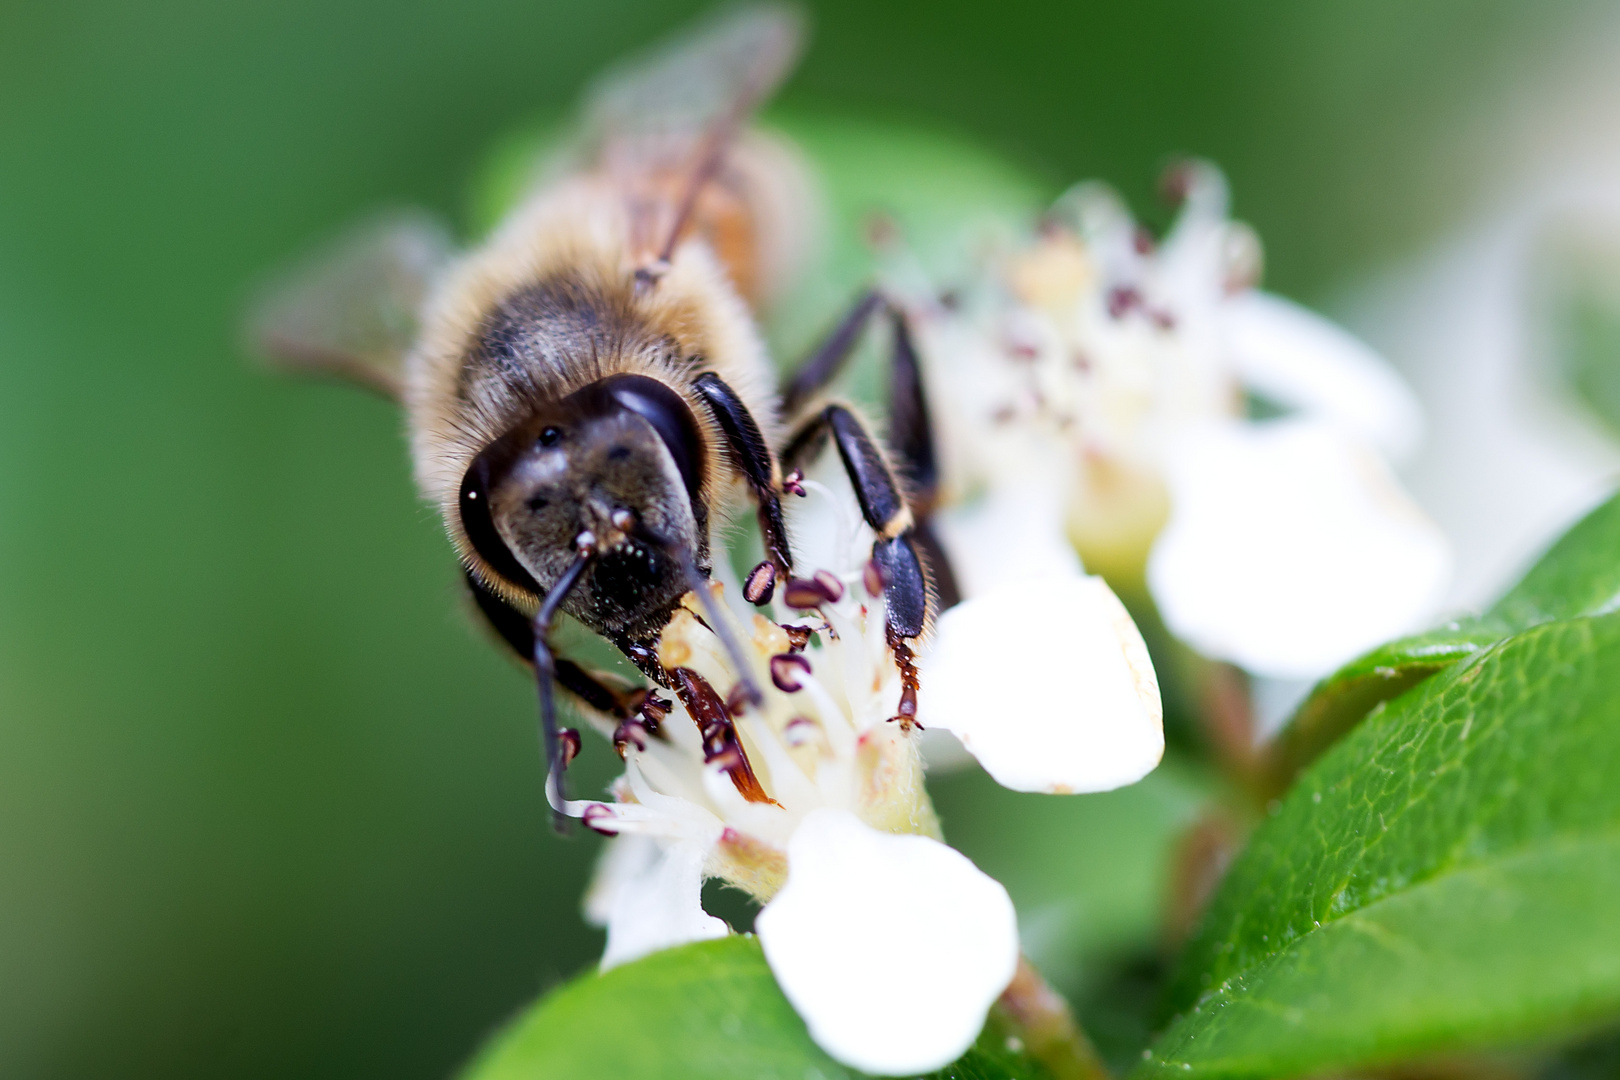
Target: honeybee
pixel 587 393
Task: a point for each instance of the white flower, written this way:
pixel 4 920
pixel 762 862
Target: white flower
pixel 1098 383
pixel 1483 324
pixel 1488 319
pixel 891 945
pixel 1348 557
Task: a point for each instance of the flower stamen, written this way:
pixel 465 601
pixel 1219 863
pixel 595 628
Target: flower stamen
pixel 785 671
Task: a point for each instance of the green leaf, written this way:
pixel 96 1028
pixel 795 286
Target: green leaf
pixel 1444 878
pixel 1579 575
pixel 708 1011
pixel 1339 702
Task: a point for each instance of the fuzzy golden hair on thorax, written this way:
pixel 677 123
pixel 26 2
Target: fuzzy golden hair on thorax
pixel 552 304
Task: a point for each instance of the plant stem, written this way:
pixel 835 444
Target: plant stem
pixel 1048 1028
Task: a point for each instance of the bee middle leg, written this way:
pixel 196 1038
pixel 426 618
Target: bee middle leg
pixel 883 505
pixel 900 568
pixel 911 434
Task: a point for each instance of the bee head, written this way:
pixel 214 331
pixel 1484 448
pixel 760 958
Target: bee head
pixel 615 466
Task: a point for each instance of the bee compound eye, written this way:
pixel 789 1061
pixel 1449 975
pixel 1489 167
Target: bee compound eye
pixel 550 435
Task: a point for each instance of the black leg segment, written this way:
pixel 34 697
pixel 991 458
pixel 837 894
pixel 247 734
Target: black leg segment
pixel 911 434
pixel 754 459
pixel 823 365
pixel 883 505
pixel 517 630
pixel 876 486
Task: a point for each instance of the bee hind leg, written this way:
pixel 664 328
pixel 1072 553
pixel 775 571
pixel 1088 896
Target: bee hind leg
pixel 911 435
pixel 823 365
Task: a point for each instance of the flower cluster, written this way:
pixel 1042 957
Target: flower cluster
pixel 1107 390
pixel 890 944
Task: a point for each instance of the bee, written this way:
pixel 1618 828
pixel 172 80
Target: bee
pixel 587 393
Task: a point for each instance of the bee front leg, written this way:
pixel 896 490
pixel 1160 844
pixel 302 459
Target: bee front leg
pixel 593 689
pixel 753 458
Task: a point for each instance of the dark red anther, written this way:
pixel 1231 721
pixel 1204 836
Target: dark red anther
pixel 629 733
pixel 798 637
pixel 1121 299
pixel 786 669
pixel 1162 319
pixel 594 814
pixel 872 578
pixel 1142 241
pixel 805 593
pixel 793 483
pixel 652 711
pixel 761 583
pixel 738 699
pixel 569 744
pixel 833 587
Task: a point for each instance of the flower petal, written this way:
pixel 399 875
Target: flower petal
pixel 649 893
pixel 1048 683
pixel 1303 361
pixel 1290 548
pixel 892 948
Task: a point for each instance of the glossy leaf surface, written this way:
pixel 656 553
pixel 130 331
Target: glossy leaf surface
pixel 1578 575
pixel 709 1011
pixel 1443 878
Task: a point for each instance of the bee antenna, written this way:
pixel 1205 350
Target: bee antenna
pixel 561 745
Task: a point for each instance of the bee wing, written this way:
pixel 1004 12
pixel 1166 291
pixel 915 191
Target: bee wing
pixel 351 309
pixel 667 100
pixel 670 114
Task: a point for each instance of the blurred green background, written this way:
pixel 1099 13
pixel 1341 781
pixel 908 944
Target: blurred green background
pixel 269 805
